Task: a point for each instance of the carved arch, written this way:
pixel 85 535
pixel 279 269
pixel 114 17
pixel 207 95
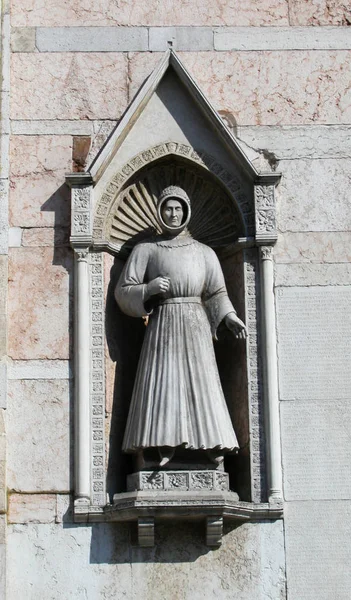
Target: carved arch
pixel 128 204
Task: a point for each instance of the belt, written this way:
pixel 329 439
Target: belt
pixel 182 300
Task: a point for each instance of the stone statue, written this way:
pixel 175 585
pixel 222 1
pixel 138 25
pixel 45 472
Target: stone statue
pixel 177 400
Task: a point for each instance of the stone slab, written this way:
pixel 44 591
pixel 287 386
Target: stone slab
pixel 32 508
pixel 49 127
pixel 181 38
pixel 39 327
pixel 153 13
pixel 23 39
pixel 255 87
pixel 282 38
pixel 68 86
pixel 39 456
pixel 316 448
pixel 298 141
pixel 319 12
pixel 315 247
pixel 38 194
pixel 313 195
pixel 91 39
pixel 80 562
pixel 292 275
pixel 45 236
pixel 39 369
pixel 318 551
pixel 314 331
pixel 15 237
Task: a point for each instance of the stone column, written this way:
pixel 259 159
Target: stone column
pixel 269 347
pixel 82 375
pixel 81 239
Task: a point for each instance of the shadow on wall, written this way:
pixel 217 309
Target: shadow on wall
pixel 175 542
pixel 124 339
pixel 59 203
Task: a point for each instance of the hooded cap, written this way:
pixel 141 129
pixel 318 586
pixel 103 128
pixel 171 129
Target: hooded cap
pixel 177 193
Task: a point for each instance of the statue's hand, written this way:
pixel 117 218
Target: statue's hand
pixel 160 285
pixel 236 325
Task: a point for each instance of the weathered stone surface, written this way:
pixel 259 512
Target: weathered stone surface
pixel 297 141
pixel 182 38
pixel 49 127
pixel 66 86
pixel 3 384
pixel 91 39
pixel 319 12
pixel 313 196
pixel 32 508
pixel 316 444
pixel 256 87
pixel 318 550
pixel 291 275
pixel 39 301
pixel 133 12
pixel 45 236
pixel 313 247
pixel 39 369
pixel 23 39
pixel 3 563
pixel 38 194
pixel 4 195
pixel 282 38
pixel 101 562
pixel 39 429
pixel 314 329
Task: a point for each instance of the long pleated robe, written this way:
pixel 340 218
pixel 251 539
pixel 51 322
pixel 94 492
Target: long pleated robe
pixel 177 398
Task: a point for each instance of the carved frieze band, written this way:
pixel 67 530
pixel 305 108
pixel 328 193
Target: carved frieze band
pixel 254 367
pixel 98 492
pixel 231 183
pixel 81 217
pixel 265 212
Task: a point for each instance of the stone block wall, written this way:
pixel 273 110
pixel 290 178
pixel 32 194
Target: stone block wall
pixel 279 72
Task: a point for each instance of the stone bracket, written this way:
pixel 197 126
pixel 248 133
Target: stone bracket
pixel 146 532
pixel 214 531
pixel 145 508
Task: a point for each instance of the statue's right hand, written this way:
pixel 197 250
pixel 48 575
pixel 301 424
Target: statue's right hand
pixel 160 285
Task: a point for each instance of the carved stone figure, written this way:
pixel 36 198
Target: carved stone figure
pixel 177 400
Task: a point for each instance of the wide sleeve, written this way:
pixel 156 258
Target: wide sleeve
pixel 130 291
pixel 215 296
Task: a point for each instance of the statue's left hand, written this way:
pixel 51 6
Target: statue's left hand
pixel 236 325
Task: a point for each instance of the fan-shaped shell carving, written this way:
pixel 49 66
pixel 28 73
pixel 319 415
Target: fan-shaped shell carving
pixel 215 219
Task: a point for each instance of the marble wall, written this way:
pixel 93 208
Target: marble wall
pixel 279 71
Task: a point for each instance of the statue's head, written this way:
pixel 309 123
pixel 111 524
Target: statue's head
pixel 173 209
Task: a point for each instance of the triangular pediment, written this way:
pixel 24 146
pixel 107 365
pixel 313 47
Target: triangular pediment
pixel 168 82
pixel 171 127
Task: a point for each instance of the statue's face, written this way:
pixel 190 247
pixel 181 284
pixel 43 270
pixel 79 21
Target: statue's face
pixel 172 212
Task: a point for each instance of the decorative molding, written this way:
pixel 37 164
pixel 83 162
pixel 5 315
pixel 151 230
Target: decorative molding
pixel 97 369
pixel 254 372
